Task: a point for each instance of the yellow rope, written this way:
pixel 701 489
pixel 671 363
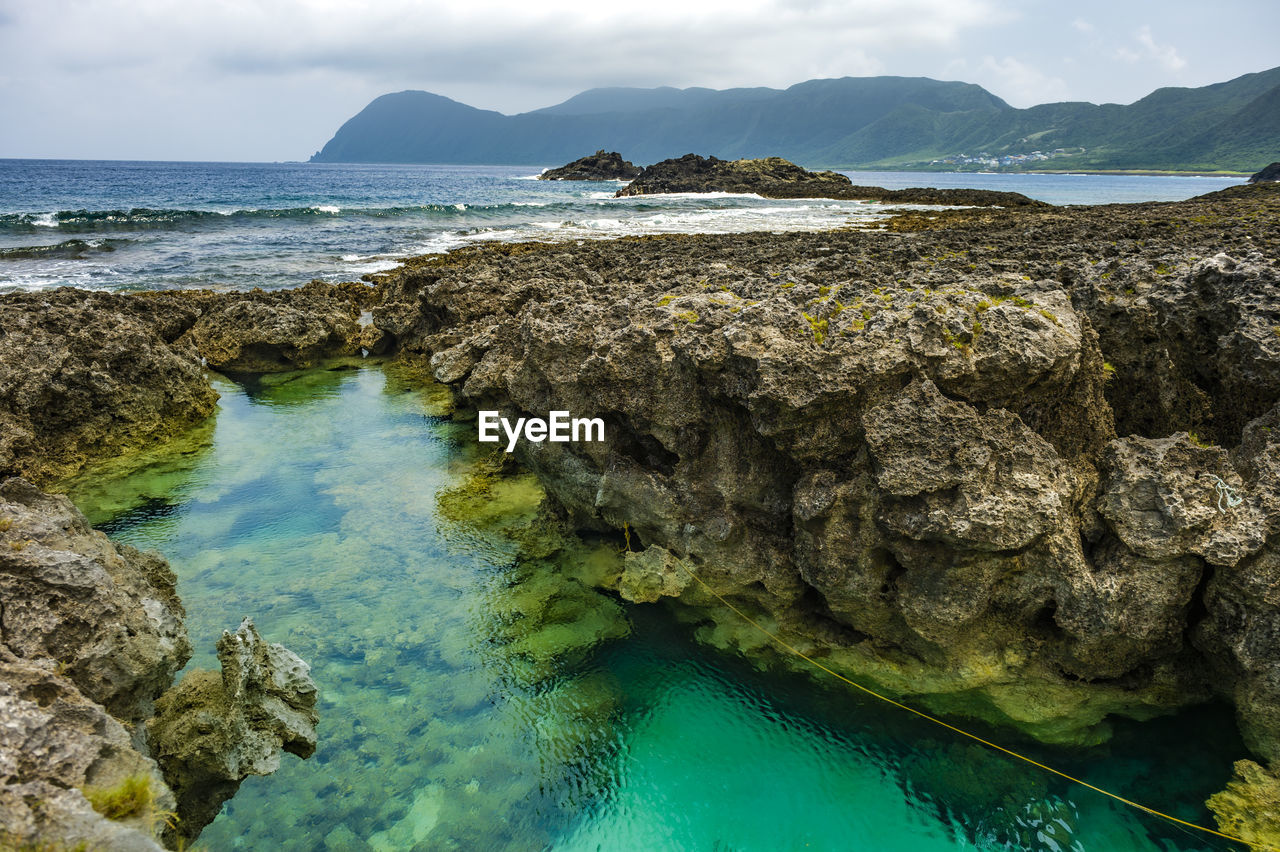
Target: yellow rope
pixel 777 639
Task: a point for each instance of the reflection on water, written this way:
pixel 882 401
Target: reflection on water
pixel 479 692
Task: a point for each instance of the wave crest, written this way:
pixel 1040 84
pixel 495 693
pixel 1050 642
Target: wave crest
pixel 68 250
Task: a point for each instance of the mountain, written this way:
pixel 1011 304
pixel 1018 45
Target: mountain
pixel 851 122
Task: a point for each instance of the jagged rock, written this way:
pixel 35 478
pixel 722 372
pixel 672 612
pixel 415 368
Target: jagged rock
pixel 1241 628
pixel 954 476
pixel 85 375
pixel 1163 500
pixel 1242 632
pixel 774 177
pixel 212 731
pixel 264 332
pixel 1266 174
pixel 1250 806
pixel 1126 609
pixel 54 745
pixel 107 614
pixel 1194 353
pixel 597 166
pixel 91 633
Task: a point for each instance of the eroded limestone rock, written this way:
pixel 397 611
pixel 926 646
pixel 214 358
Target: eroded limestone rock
pixel 108 615
pixel 265 332
pixel 900 448
pixel 651 574
pixel 83 375
pixel 56 745
pixel 1163 500
pixel 212 731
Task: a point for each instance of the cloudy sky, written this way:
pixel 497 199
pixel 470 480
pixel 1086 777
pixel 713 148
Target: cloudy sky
pixel 273 79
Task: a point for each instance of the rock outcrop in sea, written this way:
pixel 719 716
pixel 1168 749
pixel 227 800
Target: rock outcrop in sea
pixel 598 166
pixel 774 177
pixel 213 730
pixel 1266 173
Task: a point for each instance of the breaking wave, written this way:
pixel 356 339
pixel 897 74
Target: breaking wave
pixel 67 250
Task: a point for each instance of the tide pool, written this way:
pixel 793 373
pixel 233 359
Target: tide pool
pixel 478 692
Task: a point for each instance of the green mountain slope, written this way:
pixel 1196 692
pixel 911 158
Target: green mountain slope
pixel 900 122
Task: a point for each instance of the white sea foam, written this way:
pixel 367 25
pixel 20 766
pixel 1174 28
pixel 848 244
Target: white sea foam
pixel 697 196
pixel 45 220
pixel 371 266
pixel 327 208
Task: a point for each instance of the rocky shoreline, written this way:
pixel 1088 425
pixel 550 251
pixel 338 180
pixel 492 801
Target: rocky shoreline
pixel 1015 464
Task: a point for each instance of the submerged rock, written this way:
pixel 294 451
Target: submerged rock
pixel 597 166
pixel 212 731
pixel 1250 806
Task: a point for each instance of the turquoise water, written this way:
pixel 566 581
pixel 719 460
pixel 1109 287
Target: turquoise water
pixel 141 226
pixel 478 693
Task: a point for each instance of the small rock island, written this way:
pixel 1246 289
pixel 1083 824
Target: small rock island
pixel 774 177
pixel 1266 174
pixel 601 165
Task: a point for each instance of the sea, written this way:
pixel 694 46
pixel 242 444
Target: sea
pixel 110 225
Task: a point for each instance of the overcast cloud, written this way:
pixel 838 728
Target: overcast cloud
pixel 273 79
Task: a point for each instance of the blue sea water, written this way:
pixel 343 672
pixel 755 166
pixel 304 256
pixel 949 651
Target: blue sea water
pixel 146 225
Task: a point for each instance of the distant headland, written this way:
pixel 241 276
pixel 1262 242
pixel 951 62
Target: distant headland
pixel 898 123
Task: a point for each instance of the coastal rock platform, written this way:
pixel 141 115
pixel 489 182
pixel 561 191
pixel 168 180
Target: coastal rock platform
pixel 1017 464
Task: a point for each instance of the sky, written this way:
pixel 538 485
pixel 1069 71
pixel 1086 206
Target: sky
pixel 271 80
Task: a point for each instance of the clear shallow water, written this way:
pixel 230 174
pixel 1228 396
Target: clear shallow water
pixel 128 226
pixel 477 693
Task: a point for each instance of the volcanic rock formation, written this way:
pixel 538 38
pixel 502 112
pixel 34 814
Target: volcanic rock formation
pixel 1266 173
pixel 774 177
pixel 597 166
